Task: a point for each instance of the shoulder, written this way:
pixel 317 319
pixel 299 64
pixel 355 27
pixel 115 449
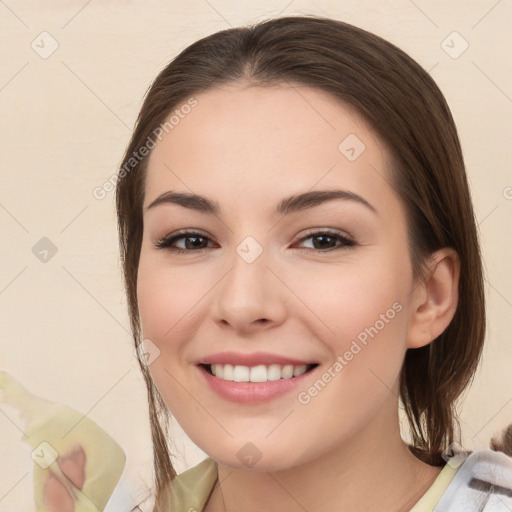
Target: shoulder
pixel 482 482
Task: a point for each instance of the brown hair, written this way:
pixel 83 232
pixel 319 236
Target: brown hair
pixel 406 108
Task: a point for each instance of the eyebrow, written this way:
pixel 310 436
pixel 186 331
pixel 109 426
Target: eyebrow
pixel 292 204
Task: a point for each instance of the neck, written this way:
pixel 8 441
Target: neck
pixel 372 471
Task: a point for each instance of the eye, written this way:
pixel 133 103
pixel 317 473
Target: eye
pixel 194 241
pixel 327 241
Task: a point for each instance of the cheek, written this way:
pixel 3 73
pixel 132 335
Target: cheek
pixel 367 319
pixel 156 304
pixel 165 296
pixel 171 303
pixel 356 300
pixel 361 318
pixel 166 300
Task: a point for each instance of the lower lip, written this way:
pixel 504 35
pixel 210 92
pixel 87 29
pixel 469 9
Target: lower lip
pixel 252 392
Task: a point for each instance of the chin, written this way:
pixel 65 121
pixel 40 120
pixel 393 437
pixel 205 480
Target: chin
pixel 248 457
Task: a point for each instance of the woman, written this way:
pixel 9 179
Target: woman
pixel 301 258
pixel 253 118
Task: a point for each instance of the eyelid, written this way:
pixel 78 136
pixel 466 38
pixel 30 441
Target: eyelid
pixel 164 242
pixel 346 239
pixel 326 231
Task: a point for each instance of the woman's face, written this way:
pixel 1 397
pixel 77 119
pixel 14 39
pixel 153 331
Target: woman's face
pixel 297 255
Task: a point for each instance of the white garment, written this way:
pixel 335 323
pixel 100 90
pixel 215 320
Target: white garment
pixel 483 483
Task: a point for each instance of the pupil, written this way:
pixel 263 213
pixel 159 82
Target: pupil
pixel 194 244
pixel 324 238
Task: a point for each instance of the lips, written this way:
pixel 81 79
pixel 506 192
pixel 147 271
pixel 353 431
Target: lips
pixel 254 359
pixel 253 378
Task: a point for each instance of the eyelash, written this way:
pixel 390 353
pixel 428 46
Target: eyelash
pixel 166 242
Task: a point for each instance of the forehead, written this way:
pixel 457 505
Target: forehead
pixel 255 142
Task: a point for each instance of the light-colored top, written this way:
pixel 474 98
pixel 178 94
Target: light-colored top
pixel 431 498
pixel 478 481
pixel 194 486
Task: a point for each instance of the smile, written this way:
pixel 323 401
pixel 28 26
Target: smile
pixel 260 373
pixel 254 384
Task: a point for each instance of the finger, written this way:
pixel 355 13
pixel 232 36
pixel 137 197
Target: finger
pixel 73 466
pixel 56 496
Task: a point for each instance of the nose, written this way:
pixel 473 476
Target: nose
pixel 249 297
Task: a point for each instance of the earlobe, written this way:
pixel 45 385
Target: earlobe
pixel 435 299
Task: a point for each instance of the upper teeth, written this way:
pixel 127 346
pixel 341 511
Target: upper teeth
pixel 259 373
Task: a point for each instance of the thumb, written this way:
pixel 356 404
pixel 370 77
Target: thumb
pixel 56 494
pixel 73 466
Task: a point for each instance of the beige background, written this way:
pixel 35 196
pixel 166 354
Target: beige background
pixel 66 120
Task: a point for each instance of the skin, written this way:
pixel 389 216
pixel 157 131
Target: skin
pixel 72 465
pixel 247 148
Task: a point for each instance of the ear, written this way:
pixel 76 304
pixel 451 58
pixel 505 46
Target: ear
pixel 435 299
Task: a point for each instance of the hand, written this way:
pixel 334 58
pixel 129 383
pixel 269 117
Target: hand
pixel 57 497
